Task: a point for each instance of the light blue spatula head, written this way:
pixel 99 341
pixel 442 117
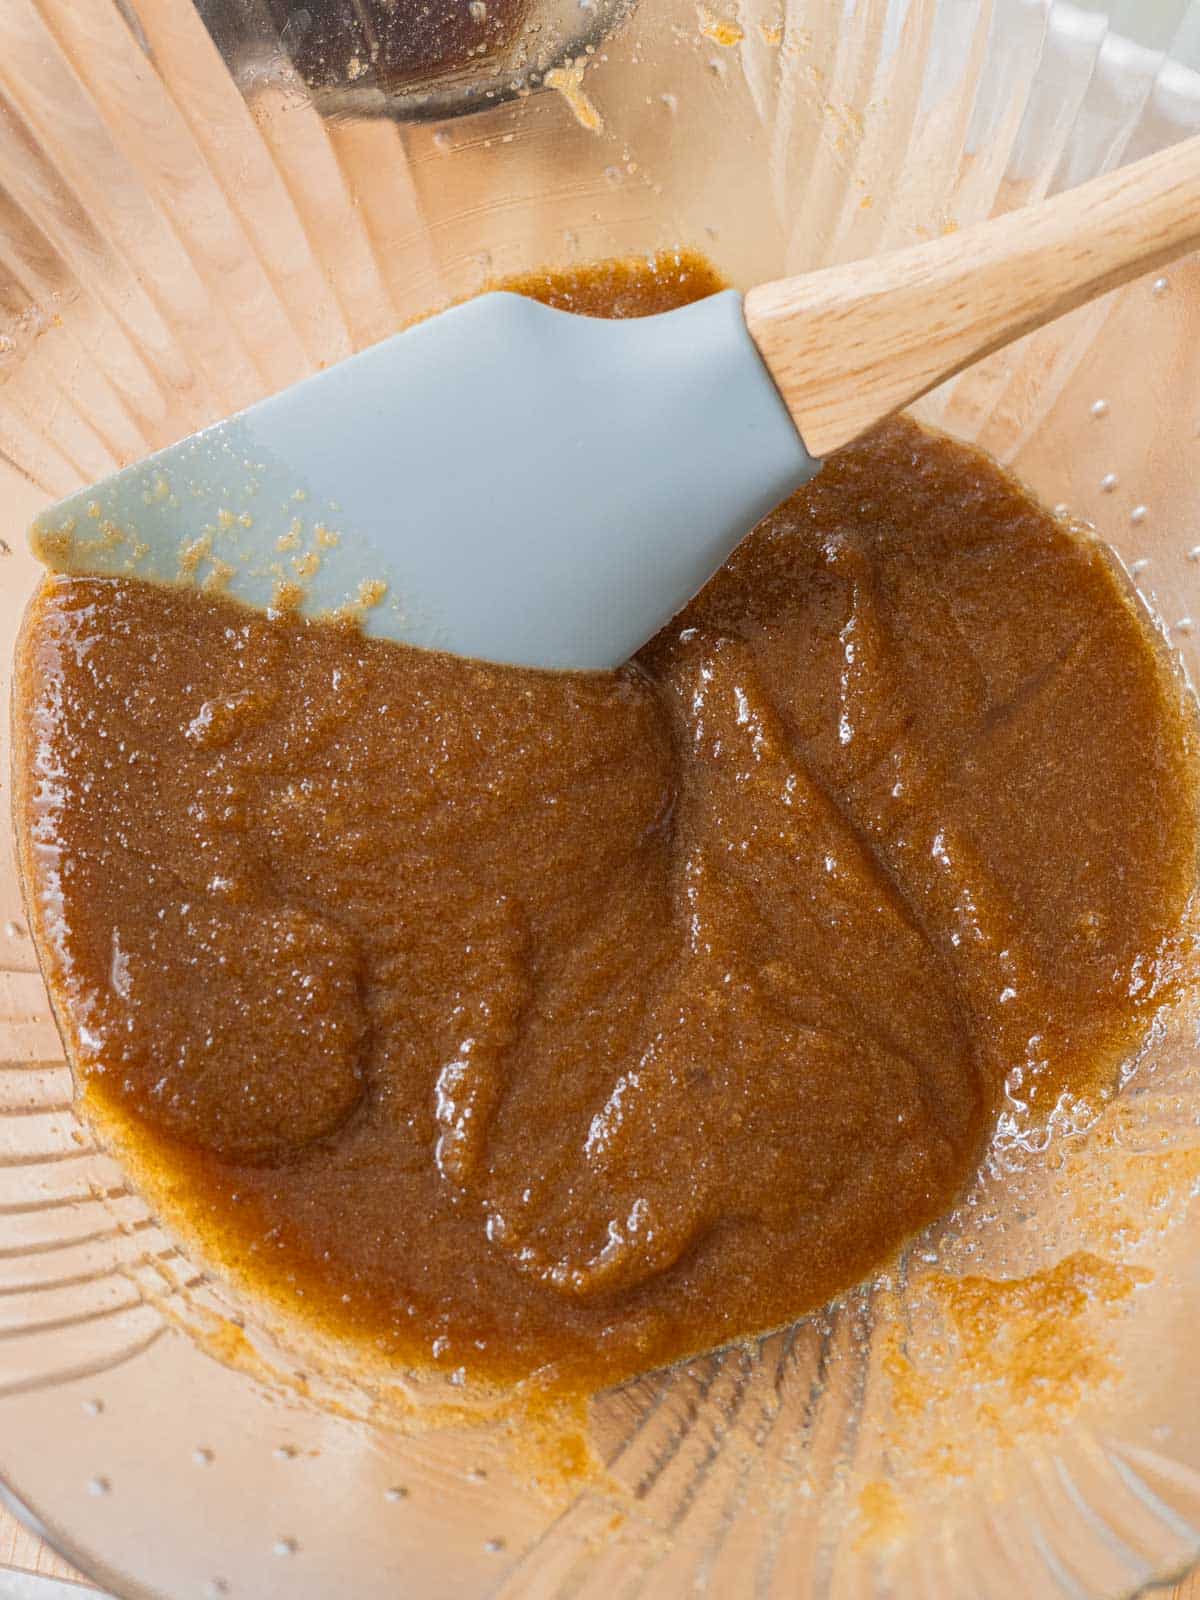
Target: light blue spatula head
pixel 503 481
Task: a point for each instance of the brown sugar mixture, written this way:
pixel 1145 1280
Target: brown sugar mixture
pixel 511 1021
pixel 392 44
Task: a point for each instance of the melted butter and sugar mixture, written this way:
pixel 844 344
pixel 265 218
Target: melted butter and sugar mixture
pixel 516 1021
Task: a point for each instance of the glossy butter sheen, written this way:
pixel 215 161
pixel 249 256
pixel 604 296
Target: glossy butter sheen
pixel 512 1021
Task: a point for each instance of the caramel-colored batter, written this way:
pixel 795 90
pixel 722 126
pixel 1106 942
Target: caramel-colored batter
pixel 511 1021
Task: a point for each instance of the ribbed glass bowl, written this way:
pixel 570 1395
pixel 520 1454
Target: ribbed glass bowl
pixel 1013 1409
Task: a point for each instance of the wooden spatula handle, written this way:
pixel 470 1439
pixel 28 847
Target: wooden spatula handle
pixel 849 345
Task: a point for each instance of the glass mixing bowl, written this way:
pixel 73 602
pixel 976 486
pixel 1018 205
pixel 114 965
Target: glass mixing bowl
pixel 1013 1408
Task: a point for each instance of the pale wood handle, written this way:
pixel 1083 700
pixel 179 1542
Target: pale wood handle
pixel 849 345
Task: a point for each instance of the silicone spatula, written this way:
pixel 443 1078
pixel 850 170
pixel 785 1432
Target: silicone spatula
pixel 523 485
